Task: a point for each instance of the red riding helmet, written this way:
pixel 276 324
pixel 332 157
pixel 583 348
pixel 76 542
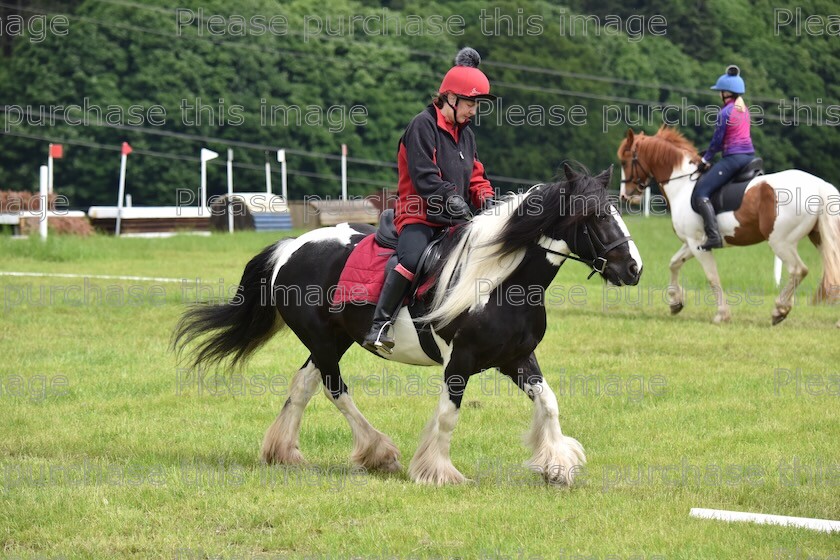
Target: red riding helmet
pixel 465 79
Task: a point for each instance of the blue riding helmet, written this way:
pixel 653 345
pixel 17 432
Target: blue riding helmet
pixel 731 81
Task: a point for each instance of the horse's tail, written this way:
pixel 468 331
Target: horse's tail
pixel 236 328
pixel 829 228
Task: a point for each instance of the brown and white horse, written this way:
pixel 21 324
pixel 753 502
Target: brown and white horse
pixel 780 208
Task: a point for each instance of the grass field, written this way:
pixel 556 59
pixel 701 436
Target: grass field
pixel 107 449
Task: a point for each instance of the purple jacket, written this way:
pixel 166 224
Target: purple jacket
pixel 732 132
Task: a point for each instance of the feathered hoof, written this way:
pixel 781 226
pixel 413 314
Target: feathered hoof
pixel 283 454
pixel 558 466
pixel 778 318
pixel 722 317
pixel 380 454
pixel 436 475
pixel 676 308
pixel 780 314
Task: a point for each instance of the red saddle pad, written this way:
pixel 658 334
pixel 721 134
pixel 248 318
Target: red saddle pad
pixel 363 275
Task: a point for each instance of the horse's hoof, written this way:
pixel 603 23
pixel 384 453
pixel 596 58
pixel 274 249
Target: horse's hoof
pixel 440 475
pixel 558 466
pixel 721 318
pixel 381 455
pixel 676 308
pixel 282 455
pixel 556 476
pixel 385 467
pixel 780 313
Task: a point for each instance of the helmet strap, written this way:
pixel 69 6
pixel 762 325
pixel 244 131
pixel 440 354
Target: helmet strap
pixel 454 108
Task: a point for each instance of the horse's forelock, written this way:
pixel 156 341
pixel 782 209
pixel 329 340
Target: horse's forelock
pixel 587 197
pixel 623 148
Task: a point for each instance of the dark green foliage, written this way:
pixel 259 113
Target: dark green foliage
pixel 126 54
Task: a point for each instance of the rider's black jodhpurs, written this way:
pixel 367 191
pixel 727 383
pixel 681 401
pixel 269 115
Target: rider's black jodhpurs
pixel 412 241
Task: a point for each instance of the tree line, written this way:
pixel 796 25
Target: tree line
pixel 310 76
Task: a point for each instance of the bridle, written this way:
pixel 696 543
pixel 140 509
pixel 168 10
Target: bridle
pixel 635 163
pixel 596 245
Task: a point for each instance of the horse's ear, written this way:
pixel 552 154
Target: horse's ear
pixel 630 136
pixel 570 173
pixel 605 176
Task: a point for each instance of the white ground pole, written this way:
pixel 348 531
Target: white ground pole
pixel 206 155
pixel 230 189
pixel 777 271
pixel 824 525
pixel 93 276
pixel 281 157
pixel 121 193
pixel 45 187
pixel 344 172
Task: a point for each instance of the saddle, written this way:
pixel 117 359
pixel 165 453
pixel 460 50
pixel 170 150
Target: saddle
pixel 728 198
pixel 365 270
pixel 386 236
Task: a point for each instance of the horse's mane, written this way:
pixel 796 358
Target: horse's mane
pixel 493 245
pixel 675 138
pixel 667 147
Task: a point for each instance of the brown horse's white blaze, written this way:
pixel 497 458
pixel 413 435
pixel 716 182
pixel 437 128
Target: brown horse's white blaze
pixel 780 208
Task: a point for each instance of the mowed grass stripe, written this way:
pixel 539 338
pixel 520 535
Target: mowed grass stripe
pixel 674 413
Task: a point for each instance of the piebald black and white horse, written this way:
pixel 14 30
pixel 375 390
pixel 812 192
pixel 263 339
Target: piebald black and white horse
pixel 517 245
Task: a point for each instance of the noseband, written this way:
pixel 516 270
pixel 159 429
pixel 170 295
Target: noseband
pixel 635 163
pixel 598 248
pixel 638 164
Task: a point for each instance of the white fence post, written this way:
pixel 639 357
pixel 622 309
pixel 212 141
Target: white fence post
pixel 206 155
pixel 344 172
pixel 281 157
pixel 126 149
pixel 230 190
pixel 44 192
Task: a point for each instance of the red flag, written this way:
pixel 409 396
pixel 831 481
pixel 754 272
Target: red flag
pixel 56 151
pixel 126 149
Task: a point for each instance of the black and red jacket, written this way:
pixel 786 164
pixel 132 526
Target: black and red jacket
pixel 436 160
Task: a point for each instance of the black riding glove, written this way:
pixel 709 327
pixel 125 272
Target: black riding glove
pixel 457 207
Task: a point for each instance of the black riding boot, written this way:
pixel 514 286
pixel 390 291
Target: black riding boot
pixel 707 212
pixel 390 301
